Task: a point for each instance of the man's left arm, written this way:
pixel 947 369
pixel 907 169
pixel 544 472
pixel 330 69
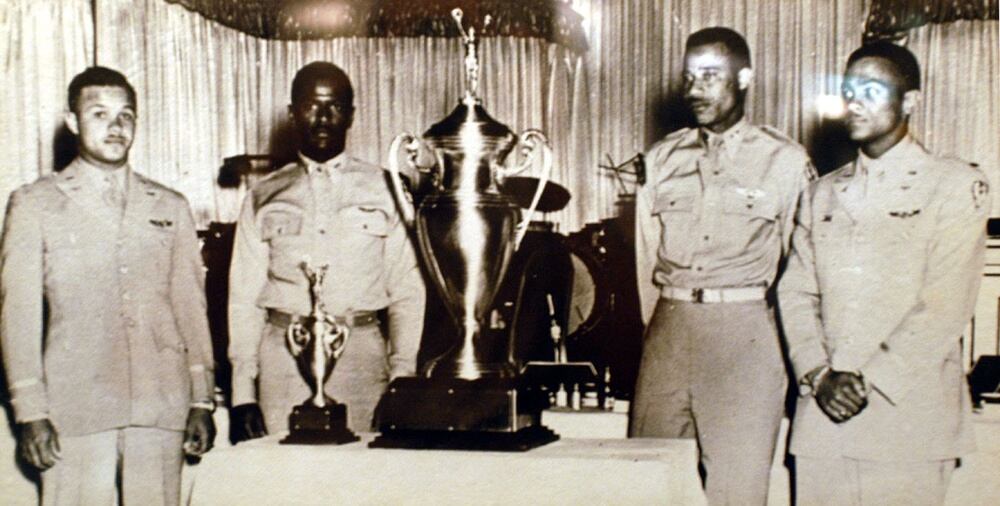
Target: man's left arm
pixel 946 299
pixel 187 299
pixel 405 286
pixel 802 175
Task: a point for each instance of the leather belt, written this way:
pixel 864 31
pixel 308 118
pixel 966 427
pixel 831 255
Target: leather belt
pixel 353 319
pixel 714 295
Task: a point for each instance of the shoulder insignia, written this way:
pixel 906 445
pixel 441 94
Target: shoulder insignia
pixel 980 193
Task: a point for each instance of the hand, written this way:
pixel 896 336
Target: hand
pixel 841 395
pixel 199 433
pixel 39 443
pixel 246 422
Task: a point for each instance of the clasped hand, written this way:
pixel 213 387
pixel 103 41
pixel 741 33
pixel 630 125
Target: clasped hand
pixel 841 395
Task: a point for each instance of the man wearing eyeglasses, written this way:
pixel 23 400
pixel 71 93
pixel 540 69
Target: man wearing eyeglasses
pixel 327 208
pixel 885 267
pixel 712 224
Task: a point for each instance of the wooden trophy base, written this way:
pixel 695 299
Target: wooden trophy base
pixel 310 425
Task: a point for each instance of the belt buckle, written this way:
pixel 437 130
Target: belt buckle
pixel 698 295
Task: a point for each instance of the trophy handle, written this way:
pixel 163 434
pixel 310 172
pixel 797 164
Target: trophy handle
pixel 297 337
pixel 402 196
pixel 534 140
pixel 335 340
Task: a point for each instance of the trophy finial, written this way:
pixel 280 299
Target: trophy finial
pixel 471 58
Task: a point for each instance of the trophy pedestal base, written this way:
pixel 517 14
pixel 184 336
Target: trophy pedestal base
pixel 448 413
pixel 522 440
pixel 311 425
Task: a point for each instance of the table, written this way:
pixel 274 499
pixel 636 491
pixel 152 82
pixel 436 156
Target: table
pixel 568 471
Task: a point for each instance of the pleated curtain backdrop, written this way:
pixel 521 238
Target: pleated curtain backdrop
pixel 207 92
pixel 960 112
pixel 43 44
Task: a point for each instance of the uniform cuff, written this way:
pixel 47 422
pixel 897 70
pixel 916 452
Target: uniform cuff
pixel 29 400
pixel 202 384
pixel 244 384
pixel 807 360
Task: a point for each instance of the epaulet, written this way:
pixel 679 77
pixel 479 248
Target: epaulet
pixel 670 140
pixel 957 168
pixel 276 181
pixel 158 185
pixel 358 164
pixel 777 135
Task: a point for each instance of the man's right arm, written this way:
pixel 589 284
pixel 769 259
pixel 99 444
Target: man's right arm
pixel 648 232
pixel 798 296
pixel 247 277
pixel 21 296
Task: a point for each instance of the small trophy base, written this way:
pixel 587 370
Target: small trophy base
pixel 310 425
pixel 492 414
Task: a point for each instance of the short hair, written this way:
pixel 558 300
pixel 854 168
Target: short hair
pixel 98 76
pixel 318 69
pixel 903 63
pixel 734 43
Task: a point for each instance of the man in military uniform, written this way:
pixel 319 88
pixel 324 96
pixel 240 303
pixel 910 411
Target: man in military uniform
pixel 326 208
pixel 882 280
pixel 104 332
pixel 712 223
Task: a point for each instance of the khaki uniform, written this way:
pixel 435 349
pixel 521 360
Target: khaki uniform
pixel 716 214
pixel 103 320
pixel 886 264
pixel 340 213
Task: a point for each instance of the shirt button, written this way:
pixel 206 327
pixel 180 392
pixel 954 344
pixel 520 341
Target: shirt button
pixel 697 269
pixel 705 238
pixel 322 231
pixel 123 269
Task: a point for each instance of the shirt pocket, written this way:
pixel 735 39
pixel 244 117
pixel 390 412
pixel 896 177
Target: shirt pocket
pixel 751 206
pixel 280 222
pixel 667 203
pixel 365 220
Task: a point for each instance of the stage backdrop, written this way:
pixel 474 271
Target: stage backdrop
pixel 207 91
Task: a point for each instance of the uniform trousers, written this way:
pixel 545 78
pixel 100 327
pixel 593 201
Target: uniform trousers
pixel 145 462
pixel 851 482
pixel 715 372
pixel 358 380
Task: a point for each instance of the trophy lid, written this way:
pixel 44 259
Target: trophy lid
pixel 463 117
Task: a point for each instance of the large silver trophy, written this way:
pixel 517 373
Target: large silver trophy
pixel 467 231
pixel 317 342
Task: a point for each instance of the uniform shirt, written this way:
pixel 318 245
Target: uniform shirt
pixel 338 213
pixel 886 263
pixel 717 209
pixel 102 311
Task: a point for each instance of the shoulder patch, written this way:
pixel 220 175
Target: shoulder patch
pixel 273 183
pixel 980 193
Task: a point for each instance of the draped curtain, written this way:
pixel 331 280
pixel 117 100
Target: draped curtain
pixel 960 111
pixel 43 44
pixel 207 91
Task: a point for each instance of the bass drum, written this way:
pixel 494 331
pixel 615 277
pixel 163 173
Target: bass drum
pixel 590 297
pixel 604 326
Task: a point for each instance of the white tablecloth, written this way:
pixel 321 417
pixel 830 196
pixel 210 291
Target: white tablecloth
pixel 568 471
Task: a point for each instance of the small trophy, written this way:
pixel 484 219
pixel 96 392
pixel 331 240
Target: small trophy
pixel 316 342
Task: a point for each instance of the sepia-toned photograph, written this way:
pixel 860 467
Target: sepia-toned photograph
pixel 457 252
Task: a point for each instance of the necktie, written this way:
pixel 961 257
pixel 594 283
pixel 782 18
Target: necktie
pixel 114 196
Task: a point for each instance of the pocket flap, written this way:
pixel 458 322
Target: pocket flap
pixel 667 202
pixel 279 223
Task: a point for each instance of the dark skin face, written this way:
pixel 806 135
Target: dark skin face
pixel 877 107
pixel 714 86
pixel 322 114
